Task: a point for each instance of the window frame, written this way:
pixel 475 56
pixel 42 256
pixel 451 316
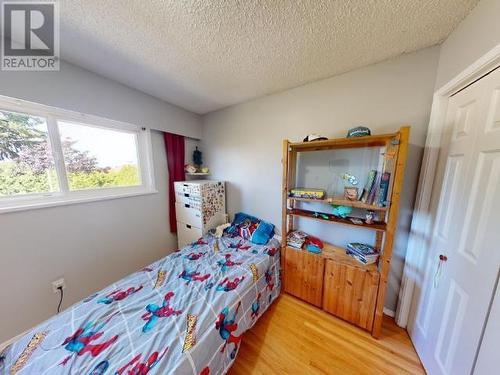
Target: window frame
pixel 65 196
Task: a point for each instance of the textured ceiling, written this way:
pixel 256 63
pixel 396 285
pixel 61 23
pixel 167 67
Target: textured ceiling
pixel 206 55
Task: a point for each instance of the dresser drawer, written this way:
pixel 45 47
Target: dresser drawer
pixel 192 201
pixel 186 214
pixel 187 234
pixel 191 189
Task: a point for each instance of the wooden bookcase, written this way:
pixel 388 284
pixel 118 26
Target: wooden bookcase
pixel 333 280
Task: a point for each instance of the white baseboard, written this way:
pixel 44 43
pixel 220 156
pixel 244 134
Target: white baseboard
pixel 390 313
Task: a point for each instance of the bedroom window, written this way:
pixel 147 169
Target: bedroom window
pixel 52 157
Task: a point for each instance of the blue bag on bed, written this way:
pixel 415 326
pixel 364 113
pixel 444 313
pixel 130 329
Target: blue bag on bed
pixel 263 233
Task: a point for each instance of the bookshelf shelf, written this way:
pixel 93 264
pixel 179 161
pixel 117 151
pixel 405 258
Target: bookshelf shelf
pixel 333 280
pixel 341 202
pixel 377 225
pixel 341 143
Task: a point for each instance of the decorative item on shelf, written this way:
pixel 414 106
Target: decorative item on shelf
pixel 190 168
pixel 341 211
pixel 307 193
pixel 359 131
pixel 351 193
pixel 350 189
pixel 205 170
pixel 314 137
pixel 197 158
pixel 350 178
pixel 370 215
pixel 356 220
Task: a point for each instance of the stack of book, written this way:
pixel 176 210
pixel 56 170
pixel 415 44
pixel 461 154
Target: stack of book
pixel 296 239
pixel 363 253
pixel 376 189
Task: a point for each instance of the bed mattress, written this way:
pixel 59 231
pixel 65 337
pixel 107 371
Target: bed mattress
pixel 184 314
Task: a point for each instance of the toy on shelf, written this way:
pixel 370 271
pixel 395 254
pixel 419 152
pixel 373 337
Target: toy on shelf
pixel 196 169
pixel 197 158
pixel 370 215
pixel 341 211
pixel 307 193
pixel 350 190
pixel 313 244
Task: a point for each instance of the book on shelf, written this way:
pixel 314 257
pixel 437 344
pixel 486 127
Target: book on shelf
pixel 361 259
pixel 363 253
pixel 384 189
pixel 374 189
pixel 369 184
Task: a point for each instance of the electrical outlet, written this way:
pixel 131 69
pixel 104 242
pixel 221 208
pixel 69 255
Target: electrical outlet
pixel 58 283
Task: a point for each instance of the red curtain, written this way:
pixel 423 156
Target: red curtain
pixel 174 146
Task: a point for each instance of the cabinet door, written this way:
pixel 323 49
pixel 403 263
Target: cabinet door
pixel 304 275
pixel 350 293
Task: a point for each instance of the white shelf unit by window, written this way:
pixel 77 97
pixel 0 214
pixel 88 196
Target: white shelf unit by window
pixel 200 205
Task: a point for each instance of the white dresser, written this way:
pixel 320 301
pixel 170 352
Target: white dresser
pixel 200 205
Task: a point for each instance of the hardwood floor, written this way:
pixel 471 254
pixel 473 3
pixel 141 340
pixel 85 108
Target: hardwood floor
pixel 294 337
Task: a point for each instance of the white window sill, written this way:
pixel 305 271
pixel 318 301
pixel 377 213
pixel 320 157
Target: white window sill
pixel 84 197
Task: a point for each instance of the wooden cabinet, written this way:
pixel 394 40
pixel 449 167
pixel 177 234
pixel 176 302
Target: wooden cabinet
pixel 350 293
pixel 304 275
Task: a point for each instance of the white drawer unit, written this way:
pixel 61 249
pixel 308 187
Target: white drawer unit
pixel 200 206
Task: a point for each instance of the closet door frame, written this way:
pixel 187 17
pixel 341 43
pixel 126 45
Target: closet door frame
pixel 422 222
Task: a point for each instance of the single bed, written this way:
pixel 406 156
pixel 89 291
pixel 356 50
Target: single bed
pixel 184 314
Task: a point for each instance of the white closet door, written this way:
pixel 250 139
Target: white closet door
pixel 464 256
pixel 488 361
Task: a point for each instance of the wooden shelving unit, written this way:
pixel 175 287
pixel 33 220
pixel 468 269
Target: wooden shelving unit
pixel 333 280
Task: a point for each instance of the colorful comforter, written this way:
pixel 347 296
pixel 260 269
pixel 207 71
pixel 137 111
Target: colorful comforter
pixel 184 314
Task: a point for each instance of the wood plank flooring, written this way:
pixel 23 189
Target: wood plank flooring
pixel 293 337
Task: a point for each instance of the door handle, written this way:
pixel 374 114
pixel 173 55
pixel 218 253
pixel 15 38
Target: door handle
pixel 437 275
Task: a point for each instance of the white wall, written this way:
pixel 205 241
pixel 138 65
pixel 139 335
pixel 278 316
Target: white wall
pixel 242 144
pixel 475 35
pixel 91 244
pixel 79 90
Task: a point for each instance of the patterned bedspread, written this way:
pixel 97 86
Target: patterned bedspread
pixel 184 314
